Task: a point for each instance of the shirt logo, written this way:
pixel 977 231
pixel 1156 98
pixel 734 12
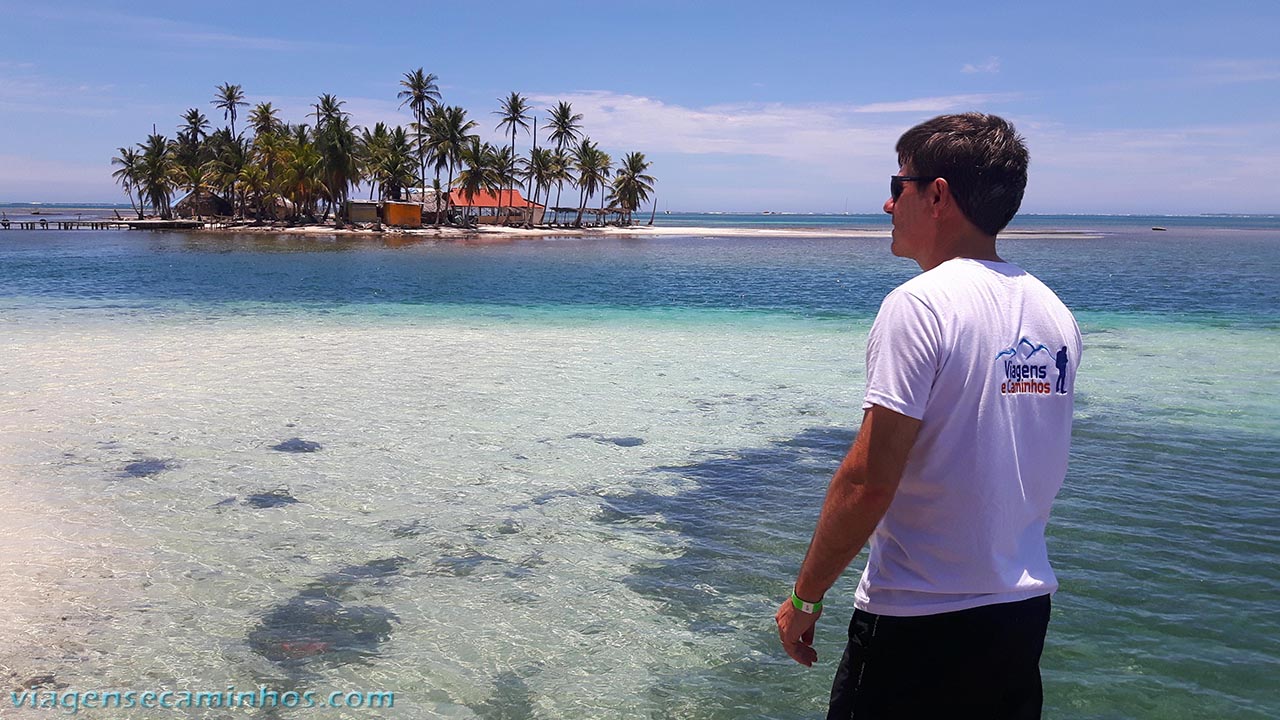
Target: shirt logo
pixel 1026 369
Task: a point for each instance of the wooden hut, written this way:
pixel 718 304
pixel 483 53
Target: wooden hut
pixel 610 216
pixel 432 202
pixel 505 205
pixel 202 203
pixel 279 208
pixel 403 214
pixel 362 211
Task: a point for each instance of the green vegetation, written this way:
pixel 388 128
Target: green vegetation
pixel 305 172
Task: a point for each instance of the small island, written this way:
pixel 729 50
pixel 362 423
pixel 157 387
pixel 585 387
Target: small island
pixel 434 175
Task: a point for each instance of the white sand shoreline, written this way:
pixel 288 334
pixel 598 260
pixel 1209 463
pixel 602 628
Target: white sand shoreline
pixel 499 234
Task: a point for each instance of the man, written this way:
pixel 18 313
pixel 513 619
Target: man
pixel 1061 361
pixel 962 449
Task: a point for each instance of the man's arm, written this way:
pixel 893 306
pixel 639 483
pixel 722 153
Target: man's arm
pixel 858 496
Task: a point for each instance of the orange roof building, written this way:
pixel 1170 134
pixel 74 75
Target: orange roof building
pixel 519 207
pixel 486 199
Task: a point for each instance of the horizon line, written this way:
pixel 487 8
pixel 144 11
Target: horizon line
pixel 1274 214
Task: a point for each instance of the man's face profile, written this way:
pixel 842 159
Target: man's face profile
pixel 905 211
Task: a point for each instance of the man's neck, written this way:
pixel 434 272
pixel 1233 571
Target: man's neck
pixel 967 242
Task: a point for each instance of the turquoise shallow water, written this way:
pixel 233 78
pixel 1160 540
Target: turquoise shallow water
pixel 1021 223
pixel 641 425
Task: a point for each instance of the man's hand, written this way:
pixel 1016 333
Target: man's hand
pixel 858 496
pixel 795 630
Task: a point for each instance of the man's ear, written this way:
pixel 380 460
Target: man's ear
pixel 939 197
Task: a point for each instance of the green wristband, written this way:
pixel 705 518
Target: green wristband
pixel 805 607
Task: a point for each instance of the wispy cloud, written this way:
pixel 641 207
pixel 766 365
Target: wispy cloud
pixel 1178 169
pixel 940 104
pixel 23 89
pixel 820 134
pixel 236 42
pixel 1227 71
pixel 24 178
pixel 839 149
pixel 991 65
pixel 68 110
pixel 158 29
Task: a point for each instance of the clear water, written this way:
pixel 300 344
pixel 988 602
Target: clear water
pixel 575 476
pixel 1021 224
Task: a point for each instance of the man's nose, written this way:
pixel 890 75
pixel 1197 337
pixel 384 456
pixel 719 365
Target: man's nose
pixel 888 206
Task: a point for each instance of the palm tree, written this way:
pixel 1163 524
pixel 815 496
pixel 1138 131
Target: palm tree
pixel 264 119
pixel 254 181
pixel 189 157
pixel 593 171
pixel 270 152
pixel 481 173
pixel 504 171
pixel 420 91
pixel 632 184
pixel 157 174
pixel 331 121
pixel 395 167
pixel 329 109
pixel 449 134
pixel 540 170
pixel 228 156
pixel 129 174
pixel 515 115
pixel 192 150
pixel 561 172
pixel 373 146
pixel 386 161
pixel 302 176
pixel 437 138
pixel 193 178
pixel 335 139
pixel 194 124
pixel 228 99
pixel 605 163
pixel 438 191
pixel 566 127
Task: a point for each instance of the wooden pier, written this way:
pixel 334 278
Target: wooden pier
pixel 164 224
pixel 47 224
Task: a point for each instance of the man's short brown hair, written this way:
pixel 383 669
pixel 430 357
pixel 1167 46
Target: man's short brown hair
pixel 983 159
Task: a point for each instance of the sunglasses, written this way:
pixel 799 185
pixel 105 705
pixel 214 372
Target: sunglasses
pixel 897 182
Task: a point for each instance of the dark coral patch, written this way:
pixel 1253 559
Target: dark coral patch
pixel 275 498
pixel 623 441
pixel 320 626
pixel 310 629
pixel 148 467
pixel 297 445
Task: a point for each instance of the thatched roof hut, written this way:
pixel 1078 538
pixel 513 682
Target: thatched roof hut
pixel 202 203
pixel 431 201
pixel 279 208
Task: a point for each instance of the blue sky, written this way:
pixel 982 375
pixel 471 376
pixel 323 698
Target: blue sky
pixel 1128 107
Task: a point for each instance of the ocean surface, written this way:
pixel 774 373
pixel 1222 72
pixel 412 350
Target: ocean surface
pixel 573 477
pixel 1024 223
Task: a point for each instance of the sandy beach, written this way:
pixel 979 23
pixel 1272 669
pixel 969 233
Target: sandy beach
pixel 508 233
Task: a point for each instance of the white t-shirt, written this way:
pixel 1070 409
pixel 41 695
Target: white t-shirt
pixel 985 356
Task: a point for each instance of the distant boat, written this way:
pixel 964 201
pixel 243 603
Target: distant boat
pixel 1158 228
pixel 767 212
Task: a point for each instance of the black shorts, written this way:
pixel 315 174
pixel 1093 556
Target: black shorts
pixel 981 663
